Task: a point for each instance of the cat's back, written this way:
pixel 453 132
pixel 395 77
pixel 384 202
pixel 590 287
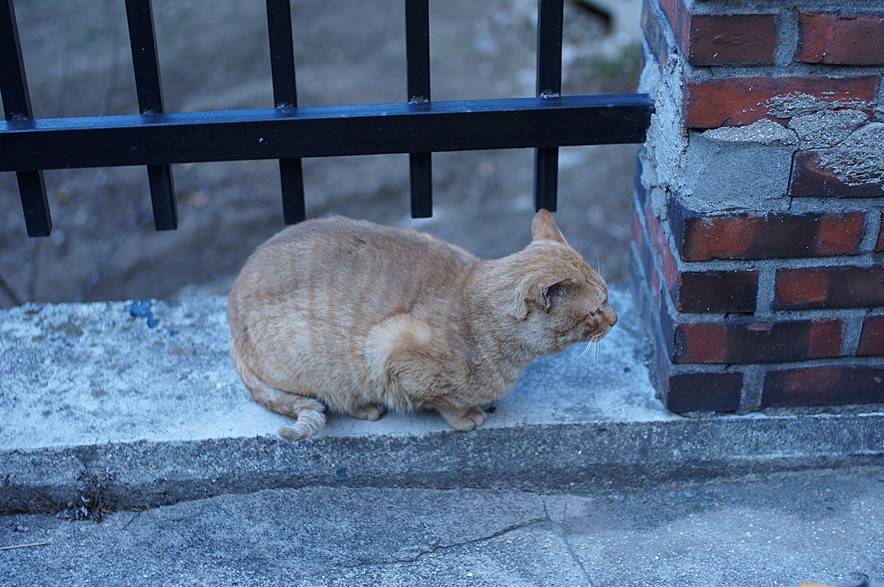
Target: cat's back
pixel 344 262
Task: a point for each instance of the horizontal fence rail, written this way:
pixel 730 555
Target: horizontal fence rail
pixel 290 132
pixel 232 135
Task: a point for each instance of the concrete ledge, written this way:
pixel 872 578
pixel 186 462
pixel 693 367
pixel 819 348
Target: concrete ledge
pixel 149 408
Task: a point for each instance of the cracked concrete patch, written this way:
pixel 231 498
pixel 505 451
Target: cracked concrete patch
pixel 826 128
pixel 858 159
pixel 765 132
pixel 722 162
pixel 434 548
pixel 666 140
pixel 797 103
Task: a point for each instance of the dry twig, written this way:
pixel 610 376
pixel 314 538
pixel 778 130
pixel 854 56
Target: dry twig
pixel 28 545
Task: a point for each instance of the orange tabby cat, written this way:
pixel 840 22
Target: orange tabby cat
pixel 363 318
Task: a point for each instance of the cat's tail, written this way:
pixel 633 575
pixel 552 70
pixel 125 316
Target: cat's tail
pixel 308 412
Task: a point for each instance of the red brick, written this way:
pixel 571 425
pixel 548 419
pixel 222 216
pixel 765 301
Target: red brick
pixel 679 19
pixel 841 39
pixel 826 336
pixel 879 248
pixel 801 288
pixel 823 386
pixel 654 34
pixel 655 284
pixel 736 101
pixel 722 39
pixel 703 392
pixel 701 343
pixel 871 339
pixel 688 392
pixel 829 287
pixel 811 179
pixel 637 232
pixel 839 234
pixel 736 39
pixel 668 264
pixel 646 258
pixel 716 291
pixel 773 236
pixel 746 341
pixel 640 191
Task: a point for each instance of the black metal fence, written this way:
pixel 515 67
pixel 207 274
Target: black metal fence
pixel 289 132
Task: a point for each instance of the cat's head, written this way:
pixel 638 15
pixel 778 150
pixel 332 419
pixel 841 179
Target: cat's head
pixel 558 299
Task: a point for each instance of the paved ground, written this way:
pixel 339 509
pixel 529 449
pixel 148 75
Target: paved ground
pixel 776 531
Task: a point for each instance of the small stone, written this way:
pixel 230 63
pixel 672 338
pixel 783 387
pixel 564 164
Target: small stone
pixel 140 308
pixel 18 526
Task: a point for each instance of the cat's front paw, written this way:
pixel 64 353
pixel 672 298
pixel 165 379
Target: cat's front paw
pixel 367 412
pixel 464 421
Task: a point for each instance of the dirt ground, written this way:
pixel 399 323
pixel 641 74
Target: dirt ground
pixel 214 55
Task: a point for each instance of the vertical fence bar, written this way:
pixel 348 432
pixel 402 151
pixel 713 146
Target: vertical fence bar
pixel 417 49
pixel 145 63
pixel 17 106
pixel 549 85
pixel 285 95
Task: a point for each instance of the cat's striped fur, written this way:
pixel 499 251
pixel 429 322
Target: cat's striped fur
pixel 361 318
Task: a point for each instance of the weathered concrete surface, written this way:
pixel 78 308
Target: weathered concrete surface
pixel 859 159
pixel 826 128
pixel 156 414
pixel 777 531
pixel 721 162
pixel 87 374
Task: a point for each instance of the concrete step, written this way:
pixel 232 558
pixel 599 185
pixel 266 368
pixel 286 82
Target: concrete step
pixel 149 408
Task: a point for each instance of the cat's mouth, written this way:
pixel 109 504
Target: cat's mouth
pixel 597 331
pixel 599 335
pixel 583 322
pixel 587 329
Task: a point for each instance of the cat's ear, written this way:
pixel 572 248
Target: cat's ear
pixel 538 292
pixel 545 290
pixel 544 228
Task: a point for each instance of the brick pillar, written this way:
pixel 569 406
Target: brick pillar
pixel 758 243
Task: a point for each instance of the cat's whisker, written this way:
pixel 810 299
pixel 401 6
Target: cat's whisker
pixel 585 350
pixel 591 351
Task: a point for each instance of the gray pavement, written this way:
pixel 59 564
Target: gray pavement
pixel 779 530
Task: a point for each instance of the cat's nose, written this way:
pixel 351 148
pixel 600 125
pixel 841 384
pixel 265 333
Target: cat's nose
pixel 610 315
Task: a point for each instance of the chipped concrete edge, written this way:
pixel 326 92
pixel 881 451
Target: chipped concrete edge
pixel 538 457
